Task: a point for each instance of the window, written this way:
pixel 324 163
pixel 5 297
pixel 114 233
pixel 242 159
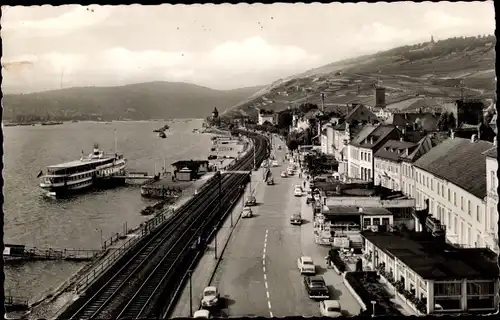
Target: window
pixel 369 157
pixel 469 236
pixel 480 295
pixel 492 218
pixel 455 198
pixel 366 222
pixel 469 209
pixel 449 218
pixel 432 186
pixel 448 295
pixel 493 180
pixel 442 190
pixel 427 182
pixel 385 221
pixel 455 225
pixel 376 221
pixel 478 214
pixel 462 203
pixel 449 195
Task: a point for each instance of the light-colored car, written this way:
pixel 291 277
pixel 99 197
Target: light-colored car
pixel 290 172
pixel 296 219
pixel 297 191
pixel 247 212
pixel 210 297
pixel 270 181
pixel 306 265
pixel 330 308
pixel 202 313
pixel 251 201
pixel 283 174
pixel 275 163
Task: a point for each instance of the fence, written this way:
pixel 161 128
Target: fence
pixel 100 267
pixel 16 303
pixel 114 254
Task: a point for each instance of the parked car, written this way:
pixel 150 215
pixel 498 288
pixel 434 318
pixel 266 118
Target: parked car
pixel 251 201
pixel 297 191
pixel 202 313
pixel 283 174
pixel 210 297
pixel 290 172
pixel 275 163
pixel 296 219
pixel 270 181
pixel 306 265
pixel 316 287
pixel 247 212
pixel 330 308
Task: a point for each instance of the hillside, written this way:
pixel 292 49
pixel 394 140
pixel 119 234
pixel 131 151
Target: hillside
pixel 136 101
pixel 425 69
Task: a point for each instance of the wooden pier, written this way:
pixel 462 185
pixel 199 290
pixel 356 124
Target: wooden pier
pixel 16 303
pixel 14 252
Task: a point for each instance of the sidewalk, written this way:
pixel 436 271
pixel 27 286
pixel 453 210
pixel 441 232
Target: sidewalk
pixel 335 282
pixel 206 267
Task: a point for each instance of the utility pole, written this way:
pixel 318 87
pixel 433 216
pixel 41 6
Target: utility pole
pixel 219 213
pixel 190 294
pixel 254 161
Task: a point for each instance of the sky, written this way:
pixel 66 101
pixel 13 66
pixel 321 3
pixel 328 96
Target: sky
pixel 218 46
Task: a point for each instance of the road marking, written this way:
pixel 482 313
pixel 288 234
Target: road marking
pixel 271 314
pixel 264 269
pixel 269 305
pixel 264 258
pixel 265 276
pixel 267 294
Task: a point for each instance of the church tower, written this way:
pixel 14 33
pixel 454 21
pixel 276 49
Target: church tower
pixel 215 113
pixel 432 39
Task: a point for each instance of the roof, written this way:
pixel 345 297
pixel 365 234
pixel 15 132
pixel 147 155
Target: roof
pixel 306 258
pixel 395 149
pixel 354 210
pixel 426 121
pixel 331 303
pixel 460 162
pixel 181 163
pixel 417 103
pixel 423 146
pixel 432 258
pixel 85 161
pixel 211 288
pixel 378 133
pixel 316 278
pixel 492 153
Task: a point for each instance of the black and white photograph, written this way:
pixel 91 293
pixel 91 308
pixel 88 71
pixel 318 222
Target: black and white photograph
pixel 249 160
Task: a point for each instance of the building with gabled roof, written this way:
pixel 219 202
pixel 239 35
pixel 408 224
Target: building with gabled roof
pixel 452 176
pixel 363 146
pixel 387 163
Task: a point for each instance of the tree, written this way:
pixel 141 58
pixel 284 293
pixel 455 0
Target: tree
pixel 285 119
pixel 292 144
pixel 452 122
pixel 443 123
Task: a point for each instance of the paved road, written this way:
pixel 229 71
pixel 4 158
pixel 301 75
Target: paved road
pixel 258 275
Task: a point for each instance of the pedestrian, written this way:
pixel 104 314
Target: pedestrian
pixel 304 184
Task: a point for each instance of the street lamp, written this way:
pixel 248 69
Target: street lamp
pixel 190 273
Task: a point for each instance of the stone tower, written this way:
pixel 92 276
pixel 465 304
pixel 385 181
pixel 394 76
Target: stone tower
pixel 215 113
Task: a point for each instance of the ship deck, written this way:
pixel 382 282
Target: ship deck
pixel 76 163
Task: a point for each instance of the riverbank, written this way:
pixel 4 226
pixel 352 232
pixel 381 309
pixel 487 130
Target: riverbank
pixel 56 301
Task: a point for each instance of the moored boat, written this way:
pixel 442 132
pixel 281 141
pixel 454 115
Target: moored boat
pixel 97 169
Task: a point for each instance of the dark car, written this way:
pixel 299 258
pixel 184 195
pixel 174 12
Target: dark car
pixel 316 287
pixel 296 219
pixel 251 201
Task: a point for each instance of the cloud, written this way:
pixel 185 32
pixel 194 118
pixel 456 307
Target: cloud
pixel 78 18
pixel 439 20
pixel 228 60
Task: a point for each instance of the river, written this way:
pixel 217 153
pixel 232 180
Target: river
pixel 77 223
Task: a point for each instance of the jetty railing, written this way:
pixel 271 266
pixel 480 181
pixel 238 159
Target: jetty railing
pixel 34 253
pixel 16 303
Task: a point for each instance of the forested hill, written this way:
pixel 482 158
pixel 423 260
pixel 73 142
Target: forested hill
pixel 141 101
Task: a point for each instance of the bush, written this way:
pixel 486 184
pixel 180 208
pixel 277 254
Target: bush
pixel 369 289
pixel 337 261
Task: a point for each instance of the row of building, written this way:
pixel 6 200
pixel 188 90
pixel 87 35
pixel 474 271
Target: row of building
pixel 457 175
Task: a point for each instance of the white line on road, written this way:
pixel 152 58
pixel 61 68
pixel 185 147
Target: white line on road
pixel 267 293
pixel 269 305
pixel 265 276
pixel 271 314
pixel 264 258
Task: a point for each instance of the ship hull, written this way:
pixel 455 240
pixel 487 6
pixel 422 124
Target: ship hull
pixel 92 185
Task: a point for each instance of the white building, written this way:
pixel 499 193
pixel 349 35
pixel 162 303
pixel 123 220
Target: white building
pixel 266 116
pixel 452 176
pixel 492 199
pixel 408 182
pixel 388 172
pixel 364 145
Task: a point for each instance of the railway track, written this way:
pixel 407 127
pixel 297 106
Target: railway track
pixel 131 290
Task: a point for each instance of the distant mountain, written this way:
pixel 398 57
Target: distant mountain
pixel 151 100
pixel 433 69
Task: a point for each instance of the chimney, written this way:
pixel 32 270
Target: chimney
pixel 371 140
pixel 452 134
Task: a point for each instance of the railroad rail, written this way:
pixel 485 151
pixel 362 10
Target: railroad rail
pixel 133 289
